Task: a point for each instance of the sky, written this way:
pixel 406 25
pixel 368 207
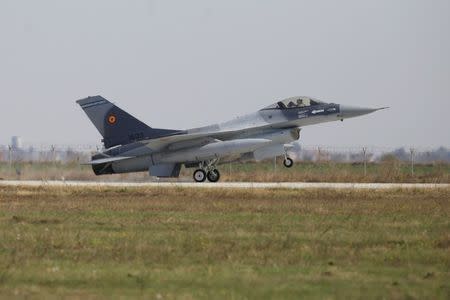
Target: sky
pixel 183 64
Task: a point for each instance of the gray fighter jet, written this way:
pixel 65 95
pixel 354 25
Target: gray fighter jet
pixel 132 146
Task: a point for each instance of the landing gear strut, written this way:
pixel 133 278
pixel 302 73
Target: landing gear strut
pixel 208 171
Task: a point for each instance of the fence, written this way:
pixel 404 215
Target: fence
pixel 366 154
pixel 64 153
pixel 52 159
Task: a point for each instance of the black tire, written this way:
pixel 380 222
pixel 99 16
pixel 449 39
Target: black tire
pixel 213 175
pixel 199 175
pixel 288 162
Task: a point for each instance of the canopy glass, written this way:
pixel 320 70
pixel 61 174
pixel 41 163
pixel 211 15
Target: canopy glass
pixel 295 102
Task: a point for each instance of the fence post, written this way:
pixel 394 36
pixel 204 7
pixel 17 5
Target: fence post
pixel 53 153
pixel 412 151
pixel 53 160
pixel 10 158
pixel 365 160
pixel 275 164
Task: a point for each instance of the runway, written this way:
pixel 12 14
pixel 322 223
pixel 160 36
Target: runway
pixel 227 185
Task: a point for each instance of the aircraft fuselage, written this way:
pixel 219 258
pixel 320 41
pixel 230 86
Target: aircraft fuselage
pixel 260 135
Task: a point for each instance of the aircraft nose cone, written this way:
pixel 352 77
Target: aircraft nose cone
pixel 354 111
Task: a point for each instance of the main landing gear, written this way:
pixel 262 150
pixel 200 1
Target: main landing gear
pixel 199 175
pixel 207 171
pixel 213 175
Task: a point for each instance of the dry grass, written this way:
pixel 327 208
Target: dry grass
pixel 388 171
pixel 199 243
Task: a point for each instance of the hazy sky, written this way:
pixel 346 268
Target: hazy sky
pixel 182 64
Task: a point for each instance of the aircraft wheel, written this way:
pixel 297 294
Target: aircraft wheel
pixel 213 175
pixel 199 175
pixel 288 162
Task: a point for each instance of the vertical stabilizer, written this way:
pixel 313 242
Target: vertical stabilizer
pixel 116 126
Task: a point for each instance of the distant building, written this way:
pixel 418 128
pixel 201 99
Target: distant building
pixel 16 142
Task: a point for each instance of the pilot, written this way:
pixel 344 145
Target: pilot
pixel 300 103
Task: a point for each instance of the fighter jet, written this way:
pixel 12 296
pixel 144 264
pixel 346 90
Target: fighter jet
pixel 132 146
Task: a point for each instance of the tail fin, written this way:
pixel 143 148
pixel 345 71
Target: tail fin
pixel 117 126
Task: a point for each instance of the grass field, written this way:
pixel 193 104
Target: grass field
pixel 232 244
pixel 388 171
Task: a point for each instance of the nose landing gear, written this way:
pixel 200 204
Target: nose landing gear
pixel 288 162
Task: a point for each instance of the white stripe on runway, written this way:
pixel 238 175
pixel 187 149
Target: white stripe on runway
pixel 254 185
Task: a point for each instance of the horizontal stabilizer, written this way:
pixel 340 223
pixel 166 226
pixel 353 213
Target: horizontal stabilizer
pixel 106 160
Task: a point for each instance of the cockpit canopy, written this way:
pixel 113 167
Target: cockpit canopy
pixel 295 102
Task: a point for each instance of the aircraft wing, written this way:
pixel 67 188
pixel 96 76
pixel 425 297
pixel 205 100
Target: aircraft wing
pixel 192 139
pixel 189 139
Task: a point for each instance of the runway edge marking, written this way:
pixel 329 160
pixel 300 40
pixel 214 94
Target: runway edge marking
pixel 254 185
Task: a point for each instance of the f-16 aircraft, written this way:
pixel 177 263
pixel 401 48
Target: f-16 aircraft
pixel 132 146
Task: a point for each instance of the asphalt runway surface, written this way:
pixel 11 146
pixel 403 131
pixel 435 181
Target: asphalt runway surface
pixel 226 185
